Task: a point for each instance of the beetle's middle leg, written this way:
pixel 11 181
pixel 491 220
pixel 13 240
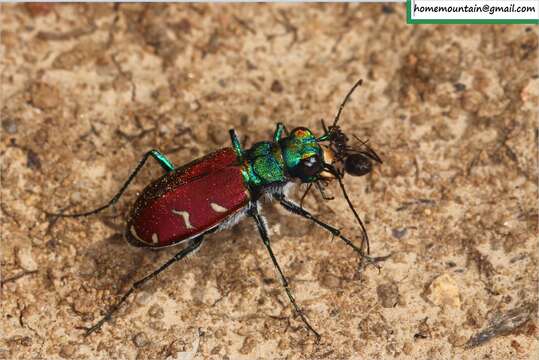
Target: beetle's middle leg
pixel 253 212
pixel 193 245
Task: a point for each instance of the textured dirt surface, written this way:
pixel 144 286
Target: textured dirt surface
pixel 452 110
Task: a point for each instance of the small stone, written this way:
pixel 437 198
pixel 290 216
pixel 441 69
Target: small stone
pixel 194 106
pixel 444 291
pixel 25 259
pixel 141 339
pixel 9 125
pixel 44 96
pixel 399 233
pixel 32 160
pixel 459 87
pixel 143 297
pixel 388 294
pixel 67 351
pixel 407 348
pixel 276 86
pixel 87 266
pixel 248 345
pixel 330 281
pixel 471 100
pixel 158 325
pixel 156 311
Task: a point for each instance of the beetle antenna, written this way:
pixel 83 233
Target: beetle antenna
pixel 337 117
pixel 365 240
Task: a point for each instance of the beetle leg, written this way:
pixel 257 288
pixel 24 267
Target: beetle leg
pixel 261 225
pixel 159 157
pixel 295 209
pixel 162 160
pixel 279 132
pixel 236 144
pixel 193 245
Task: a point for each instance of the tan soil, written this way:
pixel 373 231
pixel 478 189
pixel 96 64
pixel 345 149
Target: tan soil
pixel 452 110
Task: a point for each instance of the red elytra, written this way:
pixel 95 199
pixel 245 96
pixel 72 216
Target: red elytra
pixel 188 201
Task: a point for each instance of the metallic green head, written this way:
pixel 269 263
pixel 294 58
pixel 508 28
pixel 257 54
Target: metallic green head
pixel 303 156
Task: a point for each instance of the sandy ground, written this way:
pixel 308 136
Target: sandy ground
pixel 452 110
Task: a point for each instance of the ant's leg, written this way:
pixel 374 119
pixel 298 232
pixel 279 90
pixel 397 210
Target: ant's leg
pixel 193 245
pixel 160 158
pixel 265 238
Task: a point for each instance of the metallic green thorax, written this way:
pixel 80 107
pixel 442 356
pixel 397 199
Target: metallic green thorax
pixel 270 163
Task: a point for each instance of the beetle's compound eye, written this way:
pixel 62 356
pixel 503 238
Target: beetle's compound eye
pixel 357 165
pixel 308 168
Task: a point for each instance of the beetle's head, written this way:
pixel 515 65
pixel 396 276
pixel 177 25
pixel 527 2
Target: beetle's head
pixel 303 156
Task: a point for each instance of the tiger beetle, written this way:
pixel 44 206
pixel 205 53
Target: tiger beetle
pixel 216 191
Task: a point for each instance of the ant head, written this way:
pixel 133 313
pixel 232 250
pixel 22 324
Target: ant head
pixel 355 161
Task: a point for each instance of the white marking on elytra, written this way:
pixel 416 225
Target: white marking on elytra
pixel 218 208
pixel 185 216
pixel 155 238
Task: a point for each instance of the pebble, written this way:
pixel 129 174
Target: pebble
pixel 276 86
pixel 9 125
pixel 25 259
pixel 45 96
pixel 143 297
pixel 249 343
pixel 388 294
pixel 399 233
pixel 141 339
pixel 156 311
pixel 67 351
pixel 87 266
pixel 32 160
pixel 444 291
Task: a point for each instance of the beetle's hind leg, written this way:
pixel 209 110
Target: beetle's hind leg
pixel 261 225
pixel 193 245
pixel 158 156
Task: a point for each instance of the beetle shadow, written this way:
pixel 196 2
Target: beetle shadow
pixel 112 265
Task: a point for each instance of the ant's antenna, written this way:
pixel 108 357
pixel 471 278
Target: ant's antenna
pixel 358 83
pixel 365 239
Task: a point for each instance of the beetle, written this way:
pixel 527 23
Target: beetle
pixel 216 191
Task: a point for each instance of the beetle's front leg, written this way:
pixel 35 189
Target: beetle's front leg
pixel 236 145
pixel 279 132
pixel 261 225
